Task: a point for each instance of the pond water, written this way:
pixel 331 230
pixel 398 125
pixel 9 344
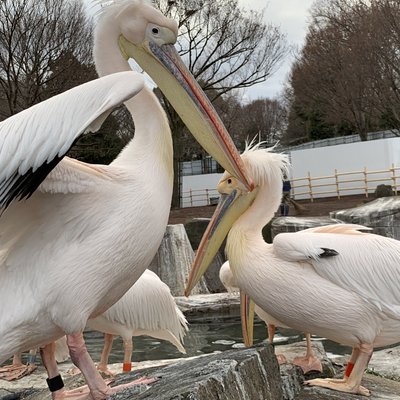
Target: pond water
pixel 204 336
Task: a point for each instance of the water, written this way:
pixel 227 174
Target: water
pixel 205 336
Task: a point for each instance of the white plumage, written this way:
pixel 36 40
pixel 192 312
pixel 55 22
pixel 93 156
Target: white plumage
pixel 333 281
pixel 309 362
pixel 147 308
pixel 82 240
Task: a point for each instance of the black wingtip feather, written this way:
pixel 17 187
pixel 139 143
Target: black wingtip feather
pixel 327 253
pixel 25 185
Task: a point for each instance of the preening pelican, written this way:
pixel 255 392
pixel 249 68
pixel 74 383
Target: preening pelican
pixel 79 242
pixel 334 281
pixel 147 308
pixel 307 363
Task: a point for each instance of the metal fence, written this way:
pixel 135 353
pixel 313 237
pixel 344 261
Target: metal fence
pixel 200 197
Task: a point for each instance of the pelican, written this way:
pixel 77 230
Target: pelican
pixel 147 308
pixel 85 233
pixel 335 281
pixel 307 363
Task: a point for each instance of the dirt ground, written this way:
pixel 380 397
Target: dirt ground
pixel 320 207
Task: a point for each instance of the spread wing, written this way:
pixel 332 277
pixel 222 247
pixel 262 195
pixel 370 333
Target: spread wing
pixel 363 263
pixel 35 140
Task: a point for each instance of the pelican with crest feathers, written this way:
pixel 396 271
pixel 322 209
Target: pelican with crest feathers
pixel 83 233
pixel 334 281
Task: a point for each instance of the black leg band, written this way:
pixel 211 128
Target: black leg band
pixel 55 383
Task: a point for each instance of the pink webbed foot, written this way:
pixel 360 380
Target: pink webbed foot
pixel 339 385
pixel 14 372
pixel 83 392
pixel 104 371
pixel 281 359
pixel 308 364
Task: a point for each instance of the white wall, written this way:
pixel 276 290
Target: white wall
pixel 322 161
pixel 199 182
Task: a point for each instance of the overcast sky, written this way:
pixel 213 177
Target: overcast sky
pixel 291 16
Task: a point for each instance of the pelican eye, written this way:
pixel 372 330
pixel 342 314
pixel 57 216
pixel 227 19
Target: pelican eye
pixel 155 31
pixel 229 181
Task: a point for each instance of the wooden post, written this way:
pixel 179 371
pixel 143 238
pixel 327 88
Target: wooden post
pixel 310 186
pixel 366 181
pixel 337 184
pixel 394 184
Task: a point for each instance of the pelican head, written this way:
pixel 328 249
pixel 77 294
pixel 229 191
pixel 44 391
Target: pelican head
pixel 148 37
pixel 265 170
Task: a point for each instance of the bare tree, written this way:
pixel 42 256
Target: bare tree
pixel 34 34
pixel 225 47
pixel 264 119
pixel 347 76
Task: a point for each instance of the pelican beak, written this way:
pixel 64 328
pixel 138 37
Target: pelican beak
pixel 247 317
pixel 229 209
pixel 166 68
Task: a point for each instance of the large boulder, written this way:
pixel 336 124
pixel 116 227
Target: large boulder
pixel 295 224
pixel 173 261
pixel 232 375
pixel 195 230
pixel 382 215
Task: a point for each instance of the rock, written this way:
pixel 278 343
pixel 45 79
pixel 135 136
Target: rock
pixel 244 374
pixel 385 363
pixel 292 378
pixel 295 224
pixel 298 349
pixel 383 191
pixel 211 304
pixel 173 261
pixel 382 215
pixel 195 230
pixel 232 375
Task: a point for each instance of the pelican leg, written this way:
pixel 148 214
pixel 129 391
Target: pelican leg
pixel 98 389
pixel 128 349
pixel 350 365
pixel 309 362
pixel 271 333
pixel 351 383
pixel 17 370
pixel 102 366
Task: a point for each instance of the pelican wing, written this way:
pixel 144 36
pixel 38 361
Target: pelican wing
pixel 73 176
pixel 34 141
pixel 149 306
pixel 363 263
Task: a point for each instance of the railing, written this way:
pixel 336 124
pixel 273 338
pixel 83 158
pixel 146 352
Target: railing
pixel 345 183
pixel 336 185
pixel 197 167
pixel 200 197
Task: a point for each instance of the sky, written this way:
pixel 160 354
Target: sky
pixel 291 16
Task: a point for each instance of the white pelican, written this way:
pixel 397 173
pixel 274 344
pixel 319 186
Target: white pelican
pixel 147 308
pixel 82 240
pixel 334 281
pixel 307 363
